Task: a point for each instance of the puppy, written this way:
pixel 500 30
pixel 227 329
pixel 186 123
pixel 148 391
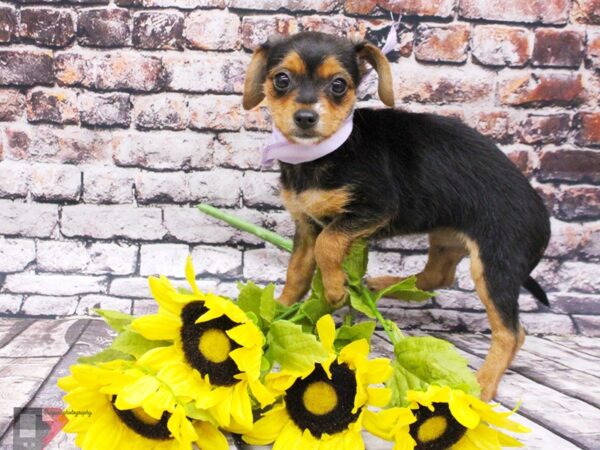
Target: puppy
pixel 397 173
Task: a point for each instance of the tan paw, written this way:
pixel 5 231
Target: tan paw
pixel 380 283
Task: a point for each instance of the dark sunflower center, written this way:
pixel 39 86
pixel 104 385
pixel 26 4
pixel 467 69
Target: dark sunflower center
pixel 436 430
pixel 143 424
pixel 322 405
pixel 206 345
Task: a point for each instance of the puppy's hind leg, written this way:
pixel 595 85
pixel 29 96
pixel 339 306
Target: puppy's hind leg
pixel 502 308
pixel 446 249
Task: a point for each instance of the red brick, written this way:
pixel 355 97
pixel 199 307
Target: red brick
pixel 26 68
pixel 541 89
pixel 498 45
pixel 158 30
pixel 212 30
pixel 50 144
pixel 428 8
pixel 581 166
pixel 448 43
pixel 520 158
pixel 528 11
pixel 593 49
pixel 442 85
pixel 44 26
pixel 110 71
pixel 206 72
pixel 292 5
pixel 8 23
pixel 543 129
pixel 258 119
pixel 257 29
pixel 11 106
pixel 104 27
pixel 557 48
pixel 586 11
pixel 588 125
pixel 361 7
pixel 579 203
pixel 338 25
pixel 493 124
pixel 108 110
pixel 161 111
pixel 182 4
pixel 216 112
pixel 53 106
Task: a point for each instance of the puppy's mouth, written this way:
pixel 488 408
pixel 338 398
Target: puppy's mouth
pixel 306 137
pixel 306 140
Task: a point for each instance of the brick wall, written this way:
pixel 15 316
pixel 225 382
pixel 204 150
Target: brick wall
pixel 117 117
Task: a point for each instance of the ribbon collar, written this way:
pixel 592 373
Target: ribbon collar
pixel 285 151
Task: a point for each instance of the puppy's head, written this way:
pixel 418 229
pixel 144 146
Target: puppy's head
pixel 309 81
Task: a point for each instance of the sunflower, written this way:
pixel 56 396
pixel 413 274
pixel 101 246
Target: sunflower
pixel 121 405
pixel 447 418
pixel 325 408
pixel 216 355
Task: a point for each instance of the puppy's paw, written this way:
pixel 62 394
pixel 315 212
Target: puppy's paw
pixel 488 386
pixel 337 298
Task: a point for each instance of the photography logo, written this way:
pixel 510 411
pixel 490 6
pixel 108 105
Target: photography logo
pixel 35 427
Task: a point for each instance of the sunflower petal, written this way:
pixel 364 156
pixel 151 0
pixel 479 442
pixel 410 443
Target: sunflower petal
pixel 209 437
pixel 247 335
pixel 379 396
pixel 190 275
pixel 268 427
pixel 326 331
pixel 158 327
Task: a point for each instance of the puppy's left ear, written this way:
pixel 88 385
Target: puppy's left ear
pixel 255 77
pixel 371 54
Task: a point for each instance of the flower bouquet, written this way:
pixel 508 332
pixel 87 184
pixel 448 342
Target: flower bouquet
pixel 205 365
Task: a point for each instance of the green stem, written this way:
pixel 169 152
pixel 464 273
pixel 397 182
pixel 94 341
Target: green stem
pixel 388 330
pixel 241 224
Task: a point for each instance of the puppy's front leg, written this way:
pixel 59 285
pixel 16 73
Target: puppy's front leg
pixel 331 248
pixel 302 264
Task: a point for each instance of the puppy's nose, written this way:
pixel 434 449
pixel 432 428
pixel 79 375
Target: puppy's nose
pixel 306 118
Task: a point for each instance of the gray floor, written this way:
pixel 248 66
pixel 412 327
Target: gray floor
pixel 556 378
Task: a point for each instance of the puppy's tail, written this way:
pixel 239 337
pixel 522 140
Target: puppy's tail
pixel 536 290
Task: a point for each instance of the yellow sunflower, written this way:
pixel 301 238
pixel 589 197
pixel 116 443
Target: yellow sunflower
pixel 447 418
pixel 120 405
pixel 325 408
pixel 216 355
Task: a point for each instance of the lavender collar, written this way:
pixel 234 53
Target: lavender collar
pixel 288 152
pixel 283 150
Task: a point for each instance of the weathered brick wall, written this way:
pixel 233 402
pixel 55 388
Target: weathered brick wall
pixel 116 117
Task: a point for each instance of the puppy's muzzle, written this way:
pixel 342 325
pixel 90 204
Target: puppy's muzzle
pixel 306 118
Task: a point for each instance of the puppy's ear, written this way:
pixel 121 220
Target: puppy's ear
pixel 255 77
pixel 371 54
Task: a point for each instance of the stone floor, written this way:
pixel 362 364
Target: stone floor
pixel 557 379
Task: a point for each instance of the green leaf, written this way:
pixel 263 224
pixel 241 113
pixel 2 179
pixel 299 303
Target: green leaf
pixel 350 333
pixel 249 297
pixel 421 361
pixel 106 355
pixel 405 290
pixel 355 264
pixel 315 308
pixel 357 300
pixel 117 320
pixel 268 305
pixel 135 344
pixel 293 349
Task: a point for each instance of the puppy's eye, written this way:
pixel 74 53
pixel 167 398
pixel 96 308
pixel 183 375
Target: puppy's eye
pixel 281 81
pixel 339 86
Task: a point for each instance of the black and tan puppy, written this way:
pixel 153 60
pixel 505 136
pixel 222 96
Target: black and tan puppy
pixel 397 173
